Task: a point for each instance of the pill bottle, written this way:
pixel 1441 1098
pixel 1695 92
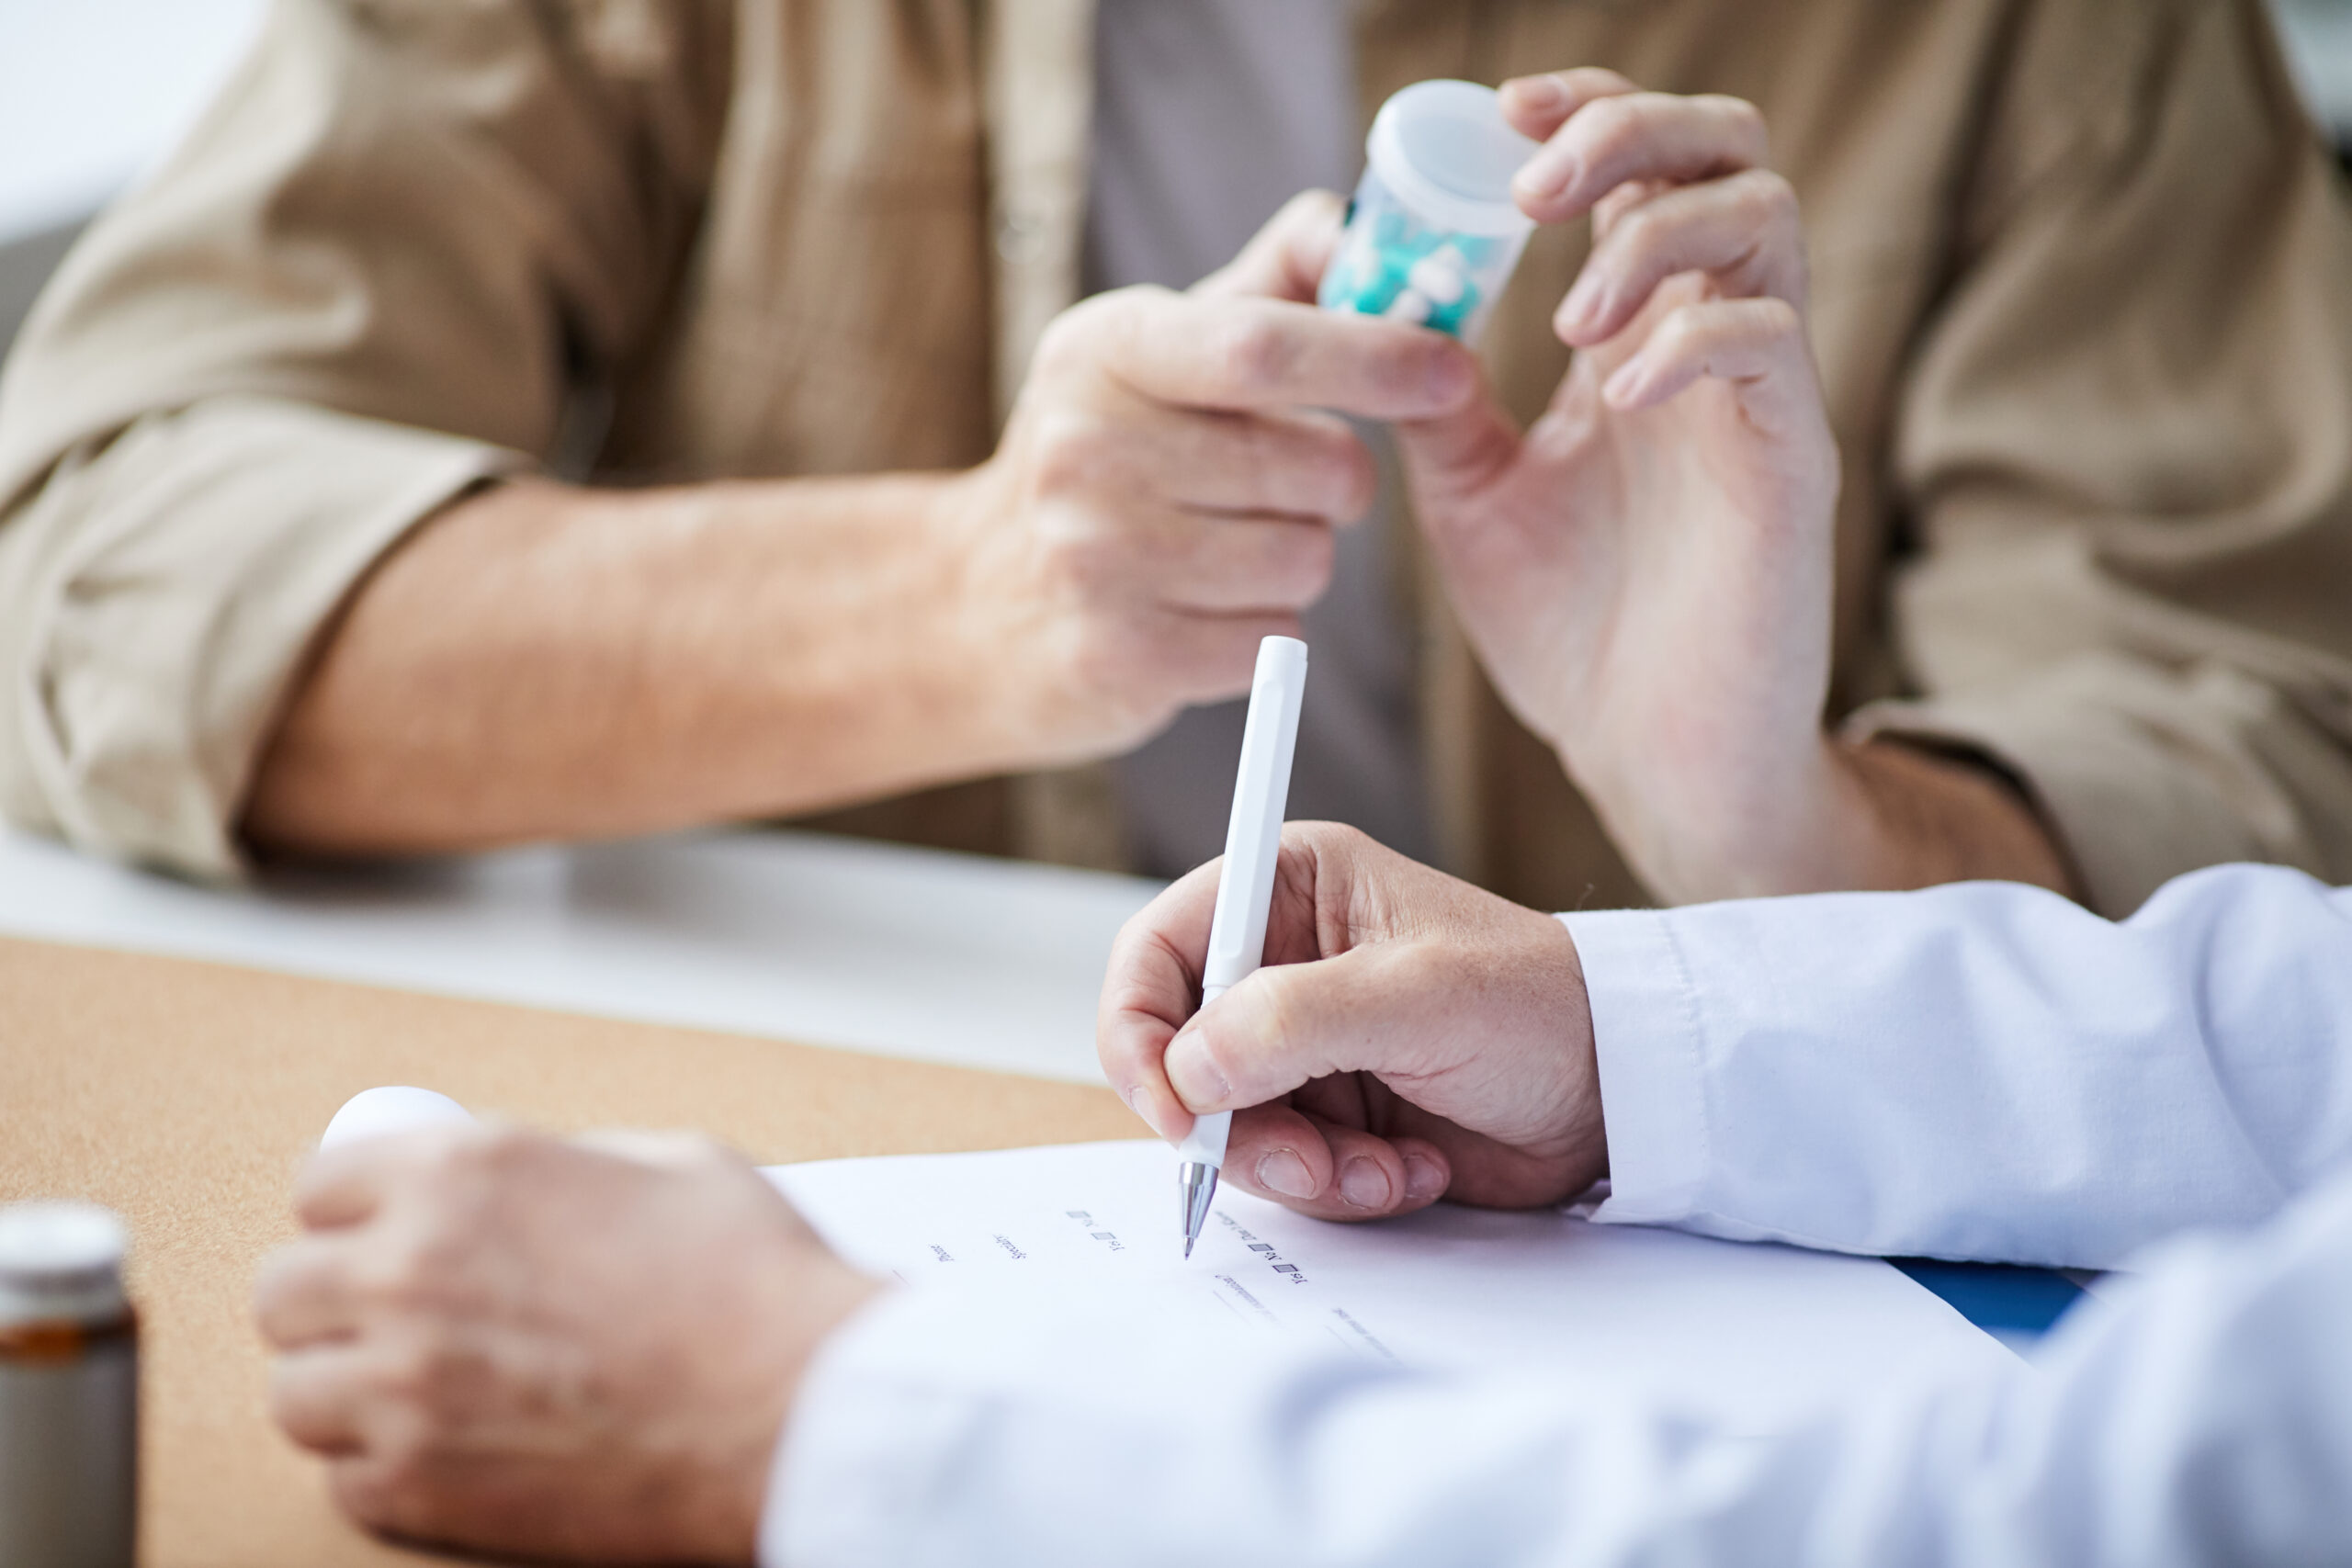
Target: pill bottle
pixel 1433 234
pixel 69 1390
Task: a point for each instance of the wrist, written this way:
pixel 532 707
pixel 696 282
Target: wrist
pixel 1014 635
pixel 1925 817
pixel 1699 830
pixel 1836 817
pixel 1587 1129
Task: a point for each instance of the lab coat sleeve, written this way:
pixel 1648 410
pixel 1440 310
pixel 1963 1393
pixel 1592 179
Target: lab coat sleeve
pixel 2204 1419
pixel 1979 1071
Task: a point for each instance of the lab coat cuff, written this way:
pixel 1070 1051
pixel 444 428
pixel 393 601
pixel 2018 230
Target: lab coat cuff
pixel 858 1461
pixel 1648 1043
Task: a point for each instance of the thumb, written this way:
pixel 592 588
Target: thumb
pixel 1451 458
pixel 1285 259
pixel 1282 1027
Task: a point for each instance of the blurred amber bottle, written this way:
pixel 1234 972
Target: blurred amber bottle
pixel 69 1390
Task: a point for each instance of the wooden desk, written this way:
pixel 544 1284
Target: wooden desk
pixel 186 1094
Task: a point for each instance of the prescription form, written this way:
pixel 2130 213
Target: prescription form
pixel 1757 1335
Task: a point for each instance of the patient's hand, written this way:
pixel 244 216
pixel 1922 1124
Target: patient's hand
pixel 1169 484
pixel 519 1345
pixel 1646 572
pixel 1411 1037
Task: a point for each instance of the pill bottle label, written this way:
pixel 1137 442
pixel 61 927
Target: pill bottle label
pixel 69 1446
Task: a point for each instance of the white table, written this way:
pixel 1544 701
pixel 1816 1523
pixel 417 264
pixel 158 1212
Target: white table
pixel 95 93
pixel 829 941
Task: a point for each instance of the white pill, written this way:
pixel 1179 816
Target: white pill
pixel 1441 275
pixel 1410 305
pixel 373 1112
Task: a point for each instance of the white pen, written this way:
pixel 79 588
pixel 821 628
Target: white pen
pixel 1244 889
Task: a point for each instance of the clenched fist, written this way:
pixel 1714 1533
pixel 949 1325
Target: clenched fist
pixel 514 1344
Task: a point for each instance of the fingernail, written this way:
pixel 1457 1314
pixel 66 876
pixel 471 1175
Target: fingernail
pixel 1620 386
pixel 1423 1177
pixel 1548 174
pixel 1197 1082
pixel 1540 92
pixel 1363 1184
pixel 1284 1172
pixel 1582 306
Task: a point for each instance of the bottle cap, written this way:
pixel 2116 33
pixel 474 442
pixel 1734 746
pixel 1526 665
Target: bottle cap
pixel 1444 149
pixel 61 1263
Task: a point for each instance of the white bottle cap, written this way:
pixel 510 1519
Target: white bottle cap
pixel 61 1263
pixel 1445 151
pixel 397 1108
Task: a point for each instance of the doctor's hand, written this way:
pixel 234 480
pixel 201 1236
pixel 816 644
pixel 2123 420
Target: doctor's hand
pixel 522 1346
pixel 1646 572
pixel 1410 1038
pixel 1167 487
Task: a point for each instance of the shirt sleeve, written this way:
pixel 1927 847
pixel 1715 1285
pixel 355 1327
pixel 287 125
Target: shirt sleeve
pixel 365 283
pixel 1980 1071
pixel 2121 449
pixel 2205 1419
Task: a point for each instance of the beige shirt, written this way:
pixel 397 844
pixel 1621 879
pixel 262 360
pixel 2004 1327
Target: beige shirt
pixel 2082 301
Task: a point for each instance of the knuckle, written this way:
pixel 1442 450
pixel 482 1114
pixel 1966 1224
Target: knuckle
pixel 499 1151
pixel 1637 233
pixel 466 1161
pixel 1276 1028
pixel 391 1488
pixel 390 1276
pixel 1338 837
pixel 1745 121
pixel 1682 329
pixel 1069 452
pixel 411 1277
pixel 1612 127
pixel 288 1405
pixel 430 1376
pixel 1075 342
pixel 369 1491
pixel 1767 200
pixel 1096 564
pixel 1310 208
pixel 1074 336
pixel 404 1377
pixel 1779 318
pixel 1308 556
pixel 1116 653
pixel 1231 1067
pixel 1063 342
pixel 1335 474
pixel 1254 354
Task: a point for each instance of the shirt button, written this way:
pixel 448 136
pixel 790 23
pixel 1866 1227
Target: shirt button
pixel 1020 235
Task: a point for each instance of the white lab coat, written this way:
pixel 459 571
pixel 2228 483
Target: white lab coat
pixel 1981 1071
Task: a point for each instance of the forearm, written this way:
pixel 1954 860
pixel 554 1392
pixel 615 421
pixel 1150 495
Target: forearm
pixel 1909 817
pixel 544 660
pixel 1829 815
